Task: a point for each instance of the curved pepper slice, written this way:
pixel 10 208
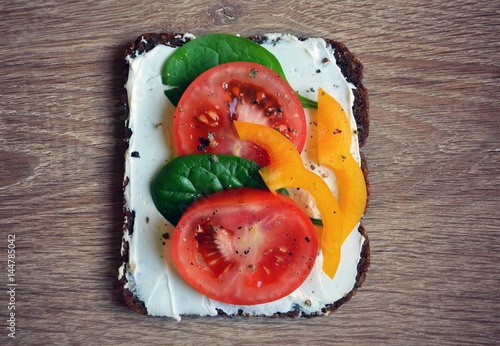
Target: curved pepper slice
pixel 286 170
pixel 334 151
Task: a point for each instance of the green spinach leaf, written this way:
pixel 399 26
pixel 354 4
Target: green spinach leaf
pixel 187 178
pixel 196 56
pixel 307 103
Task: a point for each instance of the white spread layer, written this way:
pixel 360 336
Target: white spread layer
pixel 153 278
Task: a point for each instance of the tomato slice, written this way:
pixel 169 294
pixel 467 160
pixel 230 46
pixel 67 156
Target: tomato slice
pixel 236 91
pixel 244 246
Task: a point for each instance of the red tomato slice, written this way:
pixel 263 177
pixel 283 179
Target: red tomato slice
pixel 236 91
pixel 244 246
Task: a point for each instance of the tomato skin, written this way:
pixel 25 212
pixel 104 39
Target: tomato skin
pixel 236 91
pixel 244 246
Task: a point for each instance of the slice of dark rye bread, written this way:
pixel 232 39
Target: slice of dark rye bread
pixel 351 68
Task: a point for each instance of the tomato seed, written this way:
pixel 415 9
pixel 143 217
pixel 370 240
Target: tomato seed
pixel 213 115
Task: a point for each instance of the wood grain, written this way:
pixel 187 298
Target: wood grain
pixel 433 73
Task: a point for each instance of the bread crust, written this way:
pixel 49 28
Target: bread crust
pixel 351 68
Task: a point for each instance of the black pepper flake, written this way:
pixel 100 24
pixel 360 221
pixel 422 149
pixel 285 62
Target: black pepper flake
pixel 318 71
pixel 308 239
pixel 213 229
pixel 135 154
pixel 253 73
pixel 165 235
pixel 204 142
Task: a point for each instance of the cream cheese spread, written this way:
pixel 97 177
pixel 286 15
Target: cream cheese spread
pixel 308 65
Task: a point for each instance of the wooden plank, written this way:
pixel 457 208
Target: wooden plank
pixel 433 73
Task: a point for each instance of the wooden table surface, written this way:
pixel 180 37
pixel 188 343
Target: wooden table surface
pixel 432 69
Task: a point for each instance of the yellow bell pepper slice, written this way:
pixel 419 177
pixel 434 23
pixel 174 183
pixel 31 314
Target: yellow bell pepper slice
pixel 334 151
pixel 286 170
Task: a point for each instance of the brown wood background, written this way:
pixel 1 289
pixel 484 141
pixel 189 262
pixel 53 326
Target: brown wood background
pixel 433 73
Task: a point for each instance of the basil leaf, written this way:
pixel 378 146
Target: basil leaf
pixel 187 178
pixel 196 56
